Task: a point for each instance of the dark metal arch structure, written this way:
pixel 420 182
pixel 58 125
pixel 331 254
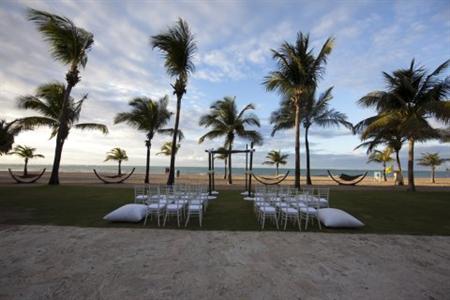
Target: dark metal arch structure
pixel 266 180
pixel 348 179
pixel 33 179
pixel 109 181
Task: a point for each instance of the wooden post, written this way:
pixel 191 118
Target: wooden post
pixel 251 168
pixel 246 167
pixel 213 185
pixel 209 172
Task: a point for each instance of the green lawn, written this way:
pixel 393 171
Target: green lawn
pixel 382 211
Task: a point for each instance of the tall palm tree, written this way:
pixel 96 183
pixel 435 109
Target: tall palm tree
pixel 48 101
pixel 382 157
pixel 68 44
pixel 118 155
pixel 26 153
pixel 222 154
pixel 315 111
pixel 166 149
pixel 7 133
pixel 412 97
pixel 298 71
pixel 432 160
pixel 276 158
pixel 225 120
pixel 149 116
pixel 178 47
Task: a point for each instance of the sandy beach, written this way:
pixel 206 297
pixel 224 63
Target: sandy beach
pixel 238 181
pixel 41 262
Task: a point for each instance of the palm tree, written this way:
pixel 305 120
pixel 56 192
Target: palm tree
pixel 68 44
pixel 7 133
pixel 411 99
pixel 166 149
pixel 49 102
pixel 178 48
pixel 382 157
pixel 432 160
pixel 390 137
pixel 315 111
pixel 275 158
pixel 225 120
pixel 298 72
pixel 118 155
pixel 149 116
pixel 26 153
pixel 222 154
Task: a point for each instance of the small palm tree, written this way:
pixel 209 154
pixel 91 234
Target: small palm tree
pixel 382 157
pixel 166 149
pixel 222 154
pixel 412 97
pixel 68 44
pixel 149 116
pixel 7 133
pixel 225 120
pixel 178 47
pixel 432 160
pixel 26 153
pixel 315 111
pixel 118 155
pixel 390 137
pixel 298 72
pixel 49 102
pixel 276 158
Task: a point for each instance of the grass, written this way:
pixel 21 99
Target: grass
pixel 387 212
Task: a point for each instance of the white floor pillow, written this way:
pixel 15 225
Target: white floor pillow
pixel 332 217
pixel 127 213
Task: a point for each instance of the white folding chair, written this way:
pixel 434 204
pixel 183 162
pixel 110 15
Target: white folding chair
pixel 140 193
pixel 310 211
pixel 194 208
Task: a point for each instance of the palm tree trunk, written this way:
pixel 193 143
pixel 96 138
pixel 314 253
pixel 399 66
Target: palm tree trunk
pixel 119 171
pixel 25 169
pixel 54 177
pixel 225 169
pixel 147 165
pixel 230 179
pixel 62 130
pixel 308 166
pixel 277 165
pixel 399 166
pixel 384 171
pixel 297 146
pixel 433 173
pixel 171 178
pixel 411 185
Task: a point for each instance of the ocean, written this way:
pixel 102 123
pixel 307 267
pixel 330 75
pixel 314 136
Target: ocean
pixel 204 170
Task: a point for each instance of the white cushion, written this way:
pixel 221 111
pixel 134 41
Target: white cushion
pixel 195 207
pixel 127 213
pixel 141 197
pixel 308 210
pixel 212 197
pixel 249 198
pixel 174 207
pixel 268 209
pixel 332 217
pixel 288 210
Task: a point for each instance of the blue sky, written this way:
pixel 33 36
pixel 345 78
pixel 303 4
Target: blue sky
pixel 234 41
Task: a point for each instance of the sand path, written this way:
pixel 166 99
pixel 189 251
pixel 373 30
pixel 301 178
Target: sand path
pixel 41 262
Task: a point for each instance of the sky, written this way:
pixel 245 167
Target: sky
pixel 234 39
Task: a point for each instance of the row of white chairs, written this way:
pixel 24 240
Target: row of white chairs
pixel 283 204
pixel 181 201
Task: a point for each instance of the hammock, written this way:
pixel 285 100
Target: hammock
pixel 108 181
pixel 30 179
pixel 266 180
pixel 345 179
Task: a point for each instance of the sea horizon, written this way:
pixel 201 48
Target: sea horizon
pixel 157 169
